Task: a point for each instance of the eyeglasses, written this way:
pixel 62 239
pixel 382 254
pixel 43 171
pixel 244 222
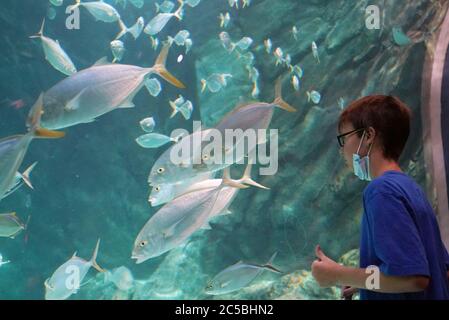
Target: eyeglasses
pixel 341 138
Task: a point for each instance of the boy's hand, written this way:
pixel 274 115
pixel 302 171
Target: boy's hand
pixel 347 292
pixel 324 269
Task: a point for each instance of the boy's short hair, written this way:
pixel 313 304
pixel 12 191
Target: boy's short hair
pixel 388 115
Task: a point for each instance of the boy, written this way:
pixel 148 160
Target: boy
pixel 399 230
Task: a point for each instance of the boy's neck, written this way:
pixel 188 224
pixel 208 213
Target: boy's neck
pixel 379 165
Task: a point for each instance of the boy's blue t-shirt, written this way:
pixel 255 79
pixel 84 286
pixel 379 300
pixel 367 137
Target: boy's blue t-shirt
pixel 400 235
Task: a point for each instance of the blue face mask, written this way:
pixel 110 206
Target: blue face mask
pixel 361 165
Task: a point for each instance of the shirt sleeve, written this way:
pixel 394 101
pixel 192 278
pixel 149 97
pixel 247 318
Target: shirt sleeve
pixel 395 237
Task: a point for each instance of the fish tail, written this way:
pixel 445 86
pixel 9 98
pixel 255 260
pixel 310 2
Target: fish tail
pixel 278 97
pixel 160 69
pixel 175 110
pixel 230 182
pixel 76 5
pixel 246 178
pixel 26 175
pixel 178 13
pixel 34 119
pixel 94 258
pixel 123 29
pixel 203 85
pixel 157 7
pixel 41 31
pixel 269 264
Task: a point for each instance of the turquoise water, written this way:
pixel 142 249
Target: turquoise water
pixel 93 183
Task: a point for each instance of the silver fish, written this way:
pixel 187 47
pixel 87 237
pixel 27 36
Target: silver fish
pixel 164 7
pixel 11 225
pixel 215 82
pixel 160 21
pixel 154 140
pixel 121 277
pixel 137 3
pixel 192 3
pixel 97 90
pixel 153 86
pixel 54 54
pixel 238 276
pixel 224 19
pixel 98 9
pixel 118 50
pixel 20 179
pixel 14 148
pixel 56 3
pixel 147 124
pixel 135 30
pixel 67 279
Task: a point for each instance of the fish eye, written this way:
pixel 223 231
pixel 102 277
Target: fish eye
pixel 205 157
pixel 157 188
pixel 160 170
pixel 143 243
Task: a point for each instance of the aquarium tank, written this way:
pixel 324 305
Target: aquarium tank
pixel 112 86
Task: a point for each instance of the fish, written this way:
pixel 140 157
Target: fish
pixel 164 7
pixel 226 41
pixel 233 3
pixel 255 115
pixel 215 82
pixel 400 38
pixel 185 109
pixel 176 221
pixel 224 19
pixel 121 277
pixel 14 148
pixel 135 30
pixel 238 276
pixel 188 45
pixel 147 124
pixel 56 3
pixel 295 32
pixel 315 52
pixel 255 91
pixel 137 3
pixel 19 180
pixel 97 90
pixel 279 55
pixel 253 73
pixel 118 50
pixel 153 86
pixel 54 53
pixel 51 13
pixel 192 3
pixel 295 82
pixel 180 38
pixel 160 21
pixel 154 140
pixel 3 262
pixel 154 43
pixel 244 43
pixel 246 3
pixel 268 45
pixel 11 225
pixel 313 96
pixel 297 70
pixel 59 285
pixel 100 10
pixel 288 60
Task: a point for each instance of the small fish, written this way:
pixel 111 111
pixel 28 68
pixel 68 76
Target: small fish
pixel 297 70
pixel 186 109
pixel 255 91
pixel 313 96
pixel 165 7
pixel 188 45
pixel 100 10
pixel 246 3
pixel 51 13
pixel 215 82
pixel 295 82
pixel 19 180
pixel 135 30
pixel 118 50
pixel 244 43
pixel 11 225
pixel 279 54
pixel 341 103
pixel 268 45
pixel 147 124
pixel 154 140
pixel 400 38
pixel 288 59
pixel 14 148
pixel 137 3
pixel 154 43
pixel 253 73
pixel 315 52
pixel 226 41
pixel 192 3
pixel 180 38
pixel 2 262
pixel 121 277
pixel 295 32
pixel 238 276
pixel 153 86
pixel 54 53
pixel 67 279
pixel 247 58
pixel 56 3
pixel 233 3
pixel 224 20
pixel 160 21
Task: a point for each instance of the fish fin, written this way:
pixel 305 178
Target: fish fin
pixel 246 178
pixel 179 12
pixel 34 119
pixel 101 62
pixel 309 96
pixel 74 254
pixel 123 29
pixel 73 104
pixel 157 7
pixel 203 85
pixel 206 226
pixel 175 110
pixel 127 104
pixel 41 31
pixel 90 121
pixel 47 285
pixel 159 68
pixel 230 182
pixel 133 29
pixel 93 260
pixel 171 230
pixel 26 175
pixel 278 97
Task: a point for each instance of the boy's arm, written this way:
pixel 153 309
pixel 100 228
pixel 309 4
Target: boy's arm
pixel 329 273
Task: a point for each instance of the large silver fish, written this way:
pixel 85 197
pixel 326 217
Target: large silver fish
pixel 98 9
pixel 14 148
pixel 97 90
pixel 11 225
